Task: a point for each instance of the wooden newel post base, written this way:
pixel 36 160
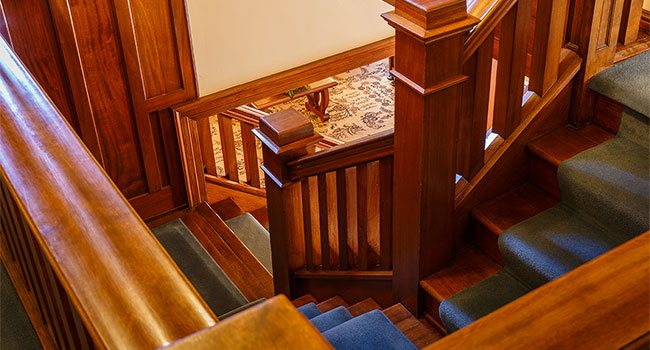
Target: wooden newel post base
pixel 429 44
pixel 285 136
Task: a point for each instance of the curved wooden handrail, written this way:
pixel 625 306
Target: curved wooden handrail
pixel 364 150
pixel 124 286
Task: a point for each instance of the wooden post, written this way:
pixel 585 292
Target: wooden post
pixel 285 136
pixel 429 44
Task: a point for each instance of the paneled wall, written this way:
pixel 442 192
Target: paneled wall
pixel 114 67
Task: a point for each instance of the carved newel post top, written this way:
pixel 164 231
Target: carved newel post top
pixel 430 14
pixel 286 127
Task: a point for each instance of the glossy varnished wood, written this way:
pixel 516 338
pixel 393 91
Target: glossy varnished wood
pixel 419 333
pixel 574 311
pixel 85 227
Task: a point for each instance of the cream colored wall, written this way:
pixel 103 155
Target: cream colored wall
pixel 646 4
pixel 236 41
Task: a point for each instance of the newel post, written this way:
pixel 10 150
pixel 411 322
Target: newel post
pixel 429 43
pixel 285 136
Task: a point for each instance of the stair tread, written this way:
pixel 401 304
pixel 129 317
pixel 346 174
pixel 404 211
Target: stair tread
pixel 303 300
pixel 364 306
pixel 262 215
pixel 468 267
pixel 419 333
pixel 332 303
pixel 227 209
pixel 254 236
pixel 513 207
pixel 560 145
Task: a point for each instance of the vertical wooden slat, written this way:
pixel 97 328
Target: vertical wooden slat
pixel 465 120
pixel 385 212
pixel 342 210
pixel 4 221
pixel 324 232
pixel 513 43
pixel 207 148
pixel 549 39
pixel 66 337
pixel 362 214
pixel 228 147
pixel 630 21
pixel 250 155
pixel 306 216
pixel 20 244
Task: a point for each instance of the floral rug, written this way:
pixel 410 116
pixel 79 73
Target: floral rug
pixel 362 104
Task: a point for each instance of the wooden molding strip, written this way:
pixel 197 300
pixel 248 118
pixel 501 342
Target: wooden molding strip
pixel 278 83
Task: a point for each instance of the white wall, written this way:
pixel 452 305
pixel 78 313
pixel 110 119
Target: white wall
pixel 237 41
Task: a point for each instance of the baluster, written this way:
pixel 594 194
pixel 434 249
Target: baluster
pixel 250 155
pixel 285 136
pixel 13 233
pixel 207 147
pixel 342 218
pixel 549 39
pixel 323 221
pixel 513 49
pixel 228 147
pixel 630 21
pixel 385 212
pixel 362 215
pixel 306 217
pixel 5 225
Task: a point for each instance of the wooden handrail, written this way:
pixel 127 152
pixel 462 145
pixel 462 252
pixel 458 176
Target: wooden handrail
pixel 603 304
pixel 364 150
pixel 491 13
pixel 275 324
pixel 127 291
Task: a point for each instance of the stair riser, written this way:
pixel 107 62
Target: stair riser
pixel 544 175
pixel 487 241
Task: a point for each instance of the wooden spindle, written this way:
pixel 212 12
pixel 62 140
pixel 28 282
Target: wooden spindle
pixel 385 212
pixel 342 218
pixel 362 215
pixel 630 21
pixel 285 136
pixel 426 121
pixel 228 147
pixel 323 221
pixel 207 147
pixel 13 229
pixel 549 38
pixel 306 217
pixel 250 155
pixel 513 50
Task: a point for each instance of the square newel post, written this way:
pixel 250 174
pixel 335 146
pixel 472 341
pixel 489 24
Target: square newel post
pixel 285 136
pixel 429 43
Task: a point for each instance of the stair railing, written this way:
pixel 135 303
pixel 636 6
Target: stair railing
pixel 76 251
pixel 329 212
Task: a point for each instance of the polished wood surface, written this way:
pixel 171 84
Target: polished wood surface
pixel 419 333
pixel 252 329
pixel 84 228
pixel 603 304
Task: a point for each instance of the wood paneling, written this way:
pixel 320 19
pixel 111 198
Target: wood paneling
pixel 114 68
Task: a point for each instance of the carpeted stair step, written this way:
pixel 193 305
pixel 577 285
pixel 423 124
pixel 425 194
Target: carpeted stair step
pixel 469 267
pixel 554 148
pixel 16 330
pixel 479 300
pixel 363 306
pixel 331 319
pixel 254 236
pixel 212 283
pixel 419 332
pixel 610 183
pixel 305 299
pixel 332 303
pixel 627 82
pixel 500 213
pixel 553 243
pixel 310 310
pixel 372 330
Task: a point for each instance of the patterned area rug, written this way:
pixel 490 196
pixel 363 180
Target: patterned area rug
pixel 362 104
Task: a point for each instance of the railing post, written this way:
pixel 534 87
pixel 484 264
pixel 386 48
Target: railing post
pixel 285 136
pixel 429 44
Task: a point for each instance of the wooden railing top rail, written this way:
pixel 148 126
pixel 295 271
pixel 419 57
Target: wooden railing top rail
pixel 125 287
pixel 601 305
pixel 275 324
pixel 491 13
pixel 364 150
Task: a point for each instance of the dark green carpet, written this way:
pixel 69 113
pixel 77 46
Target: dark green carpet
pixel 605 202
pixel 628 82
pixel 254 236
pixel 212 283
pixel 16 331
